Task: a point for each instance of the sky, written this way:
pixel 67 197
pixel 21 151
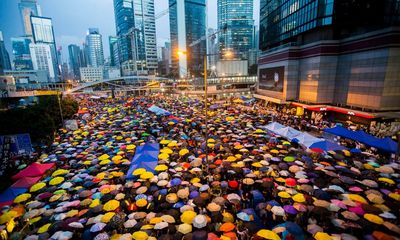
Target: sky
pixel 72 18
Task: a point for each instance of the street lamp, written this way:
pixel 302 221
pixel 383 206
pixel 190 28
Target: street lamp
pixel 227 54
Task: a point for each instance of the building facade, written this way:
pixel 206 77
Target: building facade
pixel 5 63
pixel 331 52
pixel 136 31
pixel 28 8
pixel 42 59
pixel 21 52
pixel 42 32
pixel 237 17
pixel 212 49
pixel 187 20
pixel 113 46
pixel 94 48
pixel 91 74
pixel 75 60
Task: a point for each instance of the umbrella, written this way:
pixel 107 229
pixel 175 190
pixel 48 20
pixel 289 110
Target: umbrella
pixel 185 228
pixel 227 227
pixel 374 218
pixel 130 223
pixel 199 221
pixel 268 234
pixel 111 205
pixel 188 216
pixel 97 227
pixel 140 235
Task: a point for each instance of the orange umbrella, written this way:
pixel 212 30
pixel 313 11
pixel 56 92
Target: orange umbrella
pixel 227 227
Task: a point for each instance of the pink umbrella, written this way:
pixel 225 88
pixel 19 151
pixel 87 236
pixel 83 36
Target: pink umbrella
pixel 357 210
pixel 300 207
pixel 339 203
pixel 356 189
pixel 303 180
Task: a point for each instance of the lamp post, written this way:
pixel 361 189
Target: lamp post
pixel 227 54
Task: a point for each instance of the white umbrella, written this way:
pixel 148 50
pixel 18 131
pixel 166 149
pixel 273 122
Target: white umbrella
pixel 161 225
pixel 233 196
pixel 130 223
pixel 200 221
pixel 76 225
pixel 278 211
pixel 97 227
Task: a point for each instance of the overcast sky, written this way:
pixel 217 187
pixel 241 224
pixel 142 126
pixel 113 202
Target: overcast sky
pixel 72 18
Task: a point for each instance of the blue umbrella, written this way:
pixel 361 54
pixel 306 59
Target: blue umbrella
pixel 243 216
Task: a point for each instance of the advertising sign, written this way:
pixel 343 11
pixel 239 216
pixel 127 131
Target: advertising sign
pixel 271 78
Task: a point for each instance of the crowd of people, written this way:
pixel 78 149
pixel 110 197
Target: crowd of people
pixel 243 182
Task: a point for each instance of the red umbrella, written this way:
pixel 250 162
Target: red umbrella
pixel 317 150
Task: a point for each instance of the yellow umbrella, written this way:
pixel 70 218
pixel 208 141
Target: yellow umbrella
pixel 256 164
pixel 228 217
pixel 111 205
pixel 211 140
pixel 166 150
pixel 104 162
pixel 183 152
pixel 284 195
pixel 386 180
pixel 87 162
pixel 188 216
pixel 274 151
pixel 168 218
pixel 165 142
pixel 161 168
pixel 140 235
pixel 37 187
pixel 268 234
pixel 155 220
pixel 6 217
pixel 163 156
pixel 357 198
pixel 59 172
pixel 22 198
pixel 231 159
pixel 116 158
pixel 395 196
pixel 141 202
pixel 147 227
pixel 346 153
pixel 373 218
pixel 229 119
pixel 95 203
pixel 130 147
pixel 173 144
pixel 104 157
pixel 146 175
pixel 33 220
pixel 44 228
pixel 299 198
pixel 107 217
pixel 138 171
pixel 56 181
pixel 322 236
pixel 72 213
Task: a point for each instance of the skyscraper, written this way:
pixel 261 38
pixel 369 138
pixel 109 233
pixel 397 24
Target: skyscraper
pixel 75 60
pixel 237 17
pixel 187 19
pixel 22 57
pixel 136 31
pixel 113 44
pixel 42 59
pixel 94 48
pixel 27 9
pixel 4 57
pixel 42 32
pixel 212 49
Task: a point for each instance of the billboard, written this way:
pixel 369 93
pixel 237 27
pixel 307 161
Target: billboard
pixel 13 145
pixel 271 78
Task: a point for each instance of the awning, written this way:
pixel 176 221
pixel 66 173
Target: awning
pixel 325 108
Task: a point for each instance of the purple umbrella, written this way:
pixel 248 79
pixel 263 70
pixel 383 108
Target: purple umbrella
pixel 290 209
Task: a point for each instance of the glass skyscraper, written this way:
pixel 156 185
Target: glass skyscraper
pixel 136 32
pixel 76 60
pixel 4 57
pixel 27 9
pixel 22 57
pixel 42 32
pixel 237 17
pixel 187 20
pixel 113 45
pixel 94 48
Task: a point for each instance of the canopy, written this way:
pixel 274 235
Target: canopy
pixel 306 139
pixel 273 126
pixel 159 111
pixel 288 132
pixel 34 170
pixel 26 182
pixel 327 146
pixel 146 157
pixel 385 144
pixel 11 193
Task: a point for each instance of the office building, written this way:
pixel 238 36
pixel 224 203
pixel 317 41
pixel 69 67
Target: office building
pixel 237 17
pixel 76 60
pixel 28 8
pixel 42 32
pixel 42 59
pixel 165 60
pixel 28 76
pixel 136 31
pixel 94 48
pixel 187 19
pixel 113 45
pixel 91 74
pixel 341 53
pixel 5 63
pixel 21 52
